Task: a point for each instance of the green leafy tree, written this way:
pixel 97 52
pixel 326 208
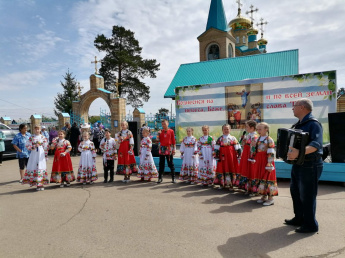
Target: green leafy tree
pixel 162 113
pixel 94 119
pixel 63 101
pixel 163 110
pixel 123 61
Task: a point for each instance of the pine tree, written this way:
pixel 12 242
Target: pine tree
pixel 63 101
pixel 123 61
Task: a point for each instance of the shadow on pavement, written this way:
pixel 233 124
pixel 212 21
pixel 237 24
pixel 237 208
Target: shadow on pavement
pixel 260 244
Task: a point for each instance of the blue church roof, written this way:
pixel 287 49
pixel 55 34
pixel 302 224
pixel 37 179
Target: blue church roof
pixel 65 115
pixel 235 69
pixel 141 110
pixel 216 16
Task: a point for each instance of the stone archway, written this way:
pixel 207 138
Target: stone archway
pixel 116 105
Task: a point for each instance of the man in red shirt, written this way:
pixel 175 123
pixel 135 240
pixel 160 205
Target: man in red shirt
pixel 167 148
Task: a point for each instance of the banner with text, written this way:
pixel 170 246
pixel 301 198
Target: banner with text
pixel 267 100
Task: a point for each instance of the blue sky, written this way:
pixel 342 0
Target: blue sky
pixel 41 39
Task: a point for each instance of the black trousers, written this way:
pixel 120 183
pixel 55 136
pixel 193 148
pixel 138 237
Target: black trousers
pixel 1 152
pixel 108 166
pixel 303 189
pixel 74 148
pixel 170 160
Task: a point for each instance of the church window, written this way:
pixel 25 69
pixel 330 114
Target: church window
pixel 213 52
pixel 230 51
pixel 237 40
pixel 244 39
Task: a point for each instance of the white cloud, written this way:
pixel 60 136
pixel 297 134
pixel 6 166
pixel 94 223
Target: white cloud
pixel 11 82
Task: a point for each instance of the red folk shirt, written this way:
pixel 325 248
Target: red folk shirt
pixel 166 142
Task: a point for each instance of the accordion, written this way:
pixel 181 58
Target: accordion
pixel 291 138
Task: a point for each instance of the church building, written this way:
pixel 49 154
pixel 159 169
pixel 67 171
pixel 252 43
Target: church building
pixel 232 52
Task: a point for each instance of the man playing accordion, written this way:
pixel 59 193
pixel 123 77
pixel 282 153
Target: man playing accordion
pixel 305 177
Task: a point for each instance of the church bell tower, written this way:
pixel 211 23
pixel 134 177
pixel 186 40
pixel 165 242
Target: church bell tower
pixel 216 42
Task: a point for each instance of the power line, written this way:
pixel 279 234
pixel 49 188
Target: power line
pixel 26 107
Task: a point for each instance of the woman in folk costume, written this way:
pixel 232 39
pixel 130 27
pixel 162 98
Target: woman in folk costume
pixel 227 151
pixel 147 167
pixel 62 171
pixel 108 147
pixel 207 163
pixel 36 170
pixel 87 172
pixel 126 164
pixel 264 164
pixel 248 141
pixel 189 154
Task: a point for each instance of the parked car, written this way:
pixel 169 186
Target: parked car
pixel 9 133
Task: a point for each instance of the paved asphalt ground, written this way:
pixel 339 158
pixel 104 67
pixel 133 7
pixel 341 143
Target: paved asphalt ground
pixel 144 219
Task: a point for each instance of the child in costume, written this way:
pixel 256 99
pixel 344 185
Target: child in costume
pixel 147 167
pixel 248 141
pixel 126 164
pixel 207 163
pixel 87 172
pixel 62 171
pixel 227 151
pixel 36 170
pixel 265 167
pixel 108 147
pixel 189 154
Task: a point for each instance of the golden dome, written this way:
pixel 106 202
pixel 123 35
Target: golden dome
pixel 262 41
pixel 240 22
pixel 252 32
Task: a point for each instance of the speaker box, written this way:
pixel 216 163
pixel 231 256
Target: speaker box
pixel 336 123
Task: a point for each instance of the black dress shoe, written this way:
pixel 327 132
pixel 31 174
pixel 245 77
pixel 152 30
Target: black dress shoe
pixel 160 180
pixel 105 181
pixel 111 180
pixel 293 222
pixel 305 230
pixel 173 181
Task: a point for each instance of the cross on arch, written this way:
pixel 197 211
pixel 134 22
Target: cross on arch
pixel 95 62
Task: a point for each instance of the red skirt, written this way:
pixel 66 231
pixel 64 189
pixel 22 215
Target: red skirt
pixel 227 167
pixel 126 163
pixel 62 170
pixel 267 178
pixel 245 167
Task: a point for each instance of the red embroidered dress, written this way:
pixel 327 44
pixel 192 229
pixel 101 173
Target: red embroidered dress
pixel 227 166
pixel 267 180
pixel 246 167
pixel 126 164
pixel 62 170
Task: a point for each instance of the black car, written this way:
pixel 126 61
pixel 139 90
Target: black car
pixel 9 133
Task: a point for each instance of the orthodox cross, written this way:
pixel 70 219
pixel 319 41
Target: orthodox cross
pixel 262 23
pixel 117 84
pixel 95 62
pixel 252 11
pixel 239 7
